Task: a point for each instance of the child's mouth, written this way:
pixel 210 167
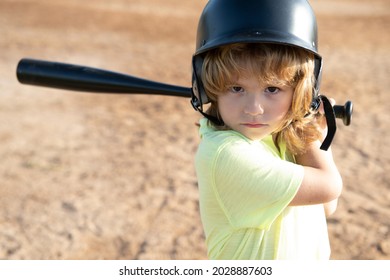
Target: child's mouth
pixel 253 125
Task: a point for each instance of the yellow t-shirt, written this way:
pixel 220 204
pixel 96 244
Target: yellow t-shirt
pixel 245 187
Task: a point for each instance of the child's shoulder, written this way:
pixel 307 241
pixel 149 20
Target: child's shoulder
pixel 209 133
pixel 232 142
pixel 229 141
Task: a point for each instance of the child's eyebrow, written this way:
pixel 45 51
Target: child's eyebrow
pixel 277 82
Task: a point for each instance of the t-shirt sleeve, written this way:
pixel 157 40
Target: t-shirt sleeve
pixel 253 186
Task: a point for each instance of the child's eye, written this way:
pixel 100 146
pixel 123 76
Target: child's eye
pixel 236 89
pixel 272 90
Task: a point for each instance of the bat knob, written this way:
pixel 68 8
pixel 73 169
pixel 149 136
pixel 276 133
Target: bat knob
pixel 344 112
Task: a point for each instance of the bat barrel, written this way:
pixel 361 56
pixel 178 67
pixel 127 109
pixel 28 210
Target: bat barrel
pixel 82 78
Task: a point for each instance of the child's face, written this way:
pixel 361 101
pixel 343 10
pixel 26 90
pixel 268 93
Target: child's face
pixel 254 109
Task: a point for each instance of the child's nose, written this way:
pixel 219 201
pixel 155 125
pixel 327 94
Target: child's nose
pixel 254 105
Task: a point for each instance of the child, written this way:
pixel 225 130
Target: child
pixel 265 185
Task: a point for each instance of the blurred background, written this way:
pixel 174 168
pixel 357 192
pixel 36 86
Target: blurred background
pixel 100 176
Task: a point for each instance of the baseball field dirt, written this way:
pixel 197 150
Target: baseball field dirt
pixel 100 176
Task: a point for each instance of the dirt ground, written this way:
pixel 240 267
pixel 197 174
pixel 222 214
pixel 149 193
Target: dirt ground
pixel 99 176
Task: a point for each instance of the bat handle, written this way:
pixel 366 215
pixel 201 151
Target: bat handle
pixel 344 112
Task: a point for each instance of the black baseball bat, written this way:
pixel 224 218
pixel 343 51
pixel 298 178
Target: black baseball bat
pixel 88 79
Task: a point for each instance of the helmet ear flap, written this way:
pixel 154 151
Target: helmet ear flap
pixel 199 96
pixel 316 91
pixel 198 93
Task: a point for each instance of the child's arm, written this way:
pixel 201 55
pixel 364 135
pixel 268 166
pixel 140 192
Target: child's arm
pixel 322 182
